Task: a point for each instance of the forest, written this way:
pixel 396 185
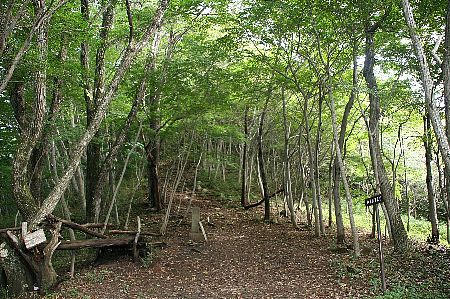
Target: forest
pixel 277 119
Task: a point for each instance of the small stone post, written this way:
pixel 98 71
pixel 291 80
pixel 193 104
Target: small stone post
pixel 195 234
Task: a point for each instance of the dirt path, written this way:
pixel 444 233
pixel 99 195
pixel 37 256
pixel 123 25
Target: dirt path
pixel 244 258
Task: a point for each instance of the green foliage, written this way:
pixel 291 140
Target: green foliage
pixel 3 293
pixel 98 276
pixel 228 57
pixel 422 291
pixel 227 191
pixel 149 257
pixel 8 141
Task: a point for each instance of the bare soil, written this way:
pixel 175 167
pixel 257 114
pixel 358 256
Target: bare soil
pixel 243 258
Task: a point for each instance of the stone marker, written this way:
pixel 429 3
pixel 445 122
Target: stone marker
pixel 195 234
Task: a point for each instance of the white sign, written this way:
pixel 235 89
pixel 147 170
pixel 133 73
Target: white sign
pixel 34 239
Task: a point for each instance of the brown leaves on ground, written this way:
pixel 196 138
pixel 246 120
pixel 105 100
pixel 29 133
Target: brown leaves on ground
pixel 244 258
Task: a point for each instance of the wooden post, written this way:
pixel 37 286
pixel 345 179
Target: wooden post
pixel 24 228
pixel 195 234
pixel 380 251
pixel 203 231
pixel 136 238
pixel 375 201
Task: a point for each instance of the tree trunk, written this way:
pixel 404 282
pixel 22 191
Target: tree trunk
pixel 244 199
pixel 18 277
pixel 93 152
pixel 427 83
pixel 312 170
pixel 40 18
pixel 399 235
pixel 301 173
pixel 37 163
pixel 154 197
pixel 153 147
pixel 340 234
pixel 137 102
pixel 262 171
pixel 341 166
pixel 116 188
pixel 127 58
pixel 330 188
pixel 446 76
pixel 287 167
pixel 316 162
pixel 87 93
pixel 120 138
pixel 432 213
pixel 32 131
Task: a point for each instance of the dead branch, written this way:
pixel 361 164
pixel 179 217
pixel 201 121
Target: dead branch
pixel 79 227
pixel 262 200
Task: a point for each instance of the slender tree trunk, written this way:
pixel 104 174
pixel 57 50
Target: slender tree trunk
pixel 244 199
pixel 446 75
pixel 39 20
pixel 116 188
pixel 93 153
pixel 341 166
pixel 312 171
pixel 340 234
pixel 262 171
pixel 181 167
pixel 9 19
pixel 427 83
pixel 66 211
pixel 432 213
pixel 301 174
pixel 37 163
pixel 405 178
pixel 287 167
pixel 330 188
pixel 153 147
pixel 40 152
pixel 399 235
pixel 316 163
pixel 250 174
pixel 120 139
pixel 88 211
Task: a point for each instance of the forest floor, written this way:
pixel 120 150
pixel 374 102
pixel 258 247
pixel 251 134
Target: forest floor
pixel 246 258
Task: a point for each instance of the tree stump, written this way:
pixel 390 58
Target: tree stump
pixel 14 276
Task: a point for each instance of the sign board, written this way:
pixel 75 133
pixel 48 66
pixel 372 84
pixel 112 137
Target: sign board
pixel 34 239
pixel 374 200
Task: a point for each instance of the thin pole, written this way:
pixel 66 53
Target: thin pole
pixel 380 251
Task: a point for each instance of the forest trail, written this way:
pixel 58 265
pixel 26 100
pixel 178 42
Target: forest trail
pixel 244 258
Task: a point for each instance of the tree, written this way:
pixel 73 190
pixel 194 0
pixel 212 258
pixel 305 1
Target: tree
pixel 432 214
pixel 32 132
pixel 427 84
pixel 399 234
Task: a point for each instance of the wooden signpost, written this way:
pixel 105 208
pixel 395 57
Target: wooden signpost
pixel 374 201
